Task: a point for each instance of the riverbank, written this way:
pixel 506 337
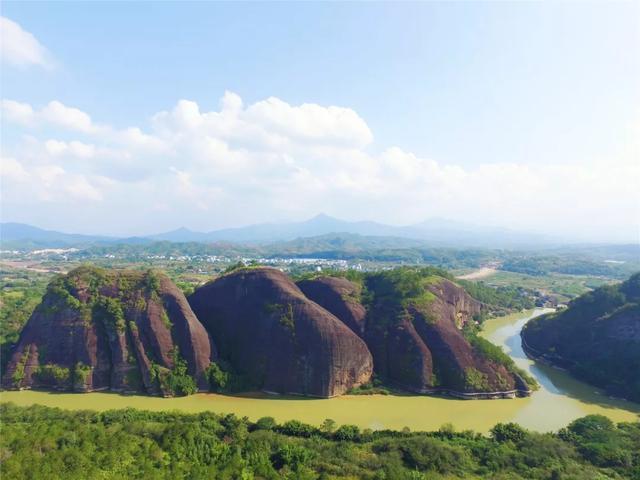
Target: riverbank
pixel 560 400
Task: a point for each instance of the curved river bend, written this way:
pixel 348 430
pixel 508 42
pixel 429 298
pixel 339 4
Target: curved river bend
pixel 560 399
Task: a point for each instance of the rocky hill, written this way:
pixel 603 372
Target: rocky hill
pixel 134 331
pixel 412 323
pixel 278 339
pixel 114 330
pixel 597 338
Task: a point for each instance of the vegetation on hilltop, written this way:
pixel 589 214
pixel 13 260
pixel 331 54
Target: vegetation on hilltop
pixel 388 294
pixel 121 326
pixel 597 337
pixel 42 442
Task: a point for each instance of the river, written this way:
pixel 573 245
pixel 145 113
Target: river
pixel 560 400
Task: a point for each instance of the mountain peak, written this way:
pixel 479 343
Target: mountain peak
pixel 321 216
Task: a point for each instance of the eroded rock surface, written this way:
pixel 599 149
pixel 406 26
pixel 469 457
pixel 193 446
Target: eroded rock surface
pixel 277 338
pixel 415 336
pixel 114 330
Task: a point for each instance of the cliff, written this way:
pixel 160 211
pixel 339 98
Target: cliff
pixel 278 339
pixel 116 330
pixel 597 338
pixel 133 331
pixel 412 325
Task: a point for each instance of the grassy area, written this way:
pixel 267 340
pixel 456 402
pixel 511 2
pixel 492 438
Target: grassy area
pixel 563 286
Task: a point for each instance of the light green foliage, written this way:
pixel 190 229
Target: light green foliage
pixel 152 280
pixel 375 386
pixel 507 298
pixel 20 293
pixel 328 425
pixel 53 374
pixel 348 433
pixel 18 373
pixel 495 354
pixel 112 313
pixel 508 432
pixel 218 378
pixel 265 423
pixel 174 381
pixel 81 374
pixel 165 319
pixel 186 287
pixel 60 287
pixel 476 380
pixel 41 442
pixel 286 318
pixel 390 295
pixel 140 304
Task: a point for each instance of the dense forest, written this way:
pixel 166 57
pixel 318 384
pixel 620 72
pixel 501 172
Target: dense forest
pixel 42 442
pixel 597 338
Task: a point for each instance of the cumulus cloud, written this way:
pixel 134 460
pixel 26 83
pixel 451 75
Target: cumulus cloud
pixel 19 47
pixel 67 117
pixel 74 148
pixel 55 113
pixel 12 170
pixel 47 183
pixel 241 163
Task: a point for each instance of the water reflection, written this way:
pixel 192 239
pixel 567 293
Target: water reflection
pixel 558 389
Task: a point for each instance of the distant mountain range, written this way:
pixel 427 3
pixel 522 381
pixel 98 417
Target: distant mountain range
pixel 433 232
pixel 11 233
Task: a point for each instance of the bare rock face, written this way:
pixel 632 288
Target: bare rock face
pixel 452 303
pixel 415 335
pixel 340 296
pixel 459 367
pixel 398 351
pixel 277 338
pixel 402 356
pixel 114 330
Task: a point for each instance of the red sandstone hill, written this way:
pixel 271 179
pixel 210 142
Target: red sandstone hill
pixel 119 330
pixel 281 341
pixel 414 332
pixel 136 332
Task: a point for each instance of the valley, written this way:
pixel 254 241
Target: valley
pixel 559 400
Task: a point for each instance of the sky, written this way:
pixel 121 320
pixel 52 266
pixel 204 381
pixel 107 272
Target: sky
pixel 126 118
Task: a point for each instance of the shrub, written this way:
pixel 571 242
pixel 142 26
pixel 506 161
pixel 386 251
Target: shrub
pixel 347 433
pixel 265 423
pixel 508 432
pixel 217 377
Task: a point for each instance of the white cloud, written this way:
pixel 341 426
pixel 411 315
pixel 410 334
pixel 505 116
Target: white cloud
pixel 74 148
pixel 16 112
pixel 67 117
pixel 19 47
pixel 12 170
pixel 311 123
pixel 47 183
pixel 242 163
pixel 55 113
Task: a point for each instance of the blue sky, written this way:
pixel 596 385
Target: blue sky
pixel 518 114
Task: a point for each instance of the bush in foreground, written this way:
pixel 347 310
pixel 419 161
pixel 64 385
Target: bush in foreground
pixel 40 442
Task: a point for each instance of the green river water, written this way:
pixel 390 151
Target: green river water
pixel 559 400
